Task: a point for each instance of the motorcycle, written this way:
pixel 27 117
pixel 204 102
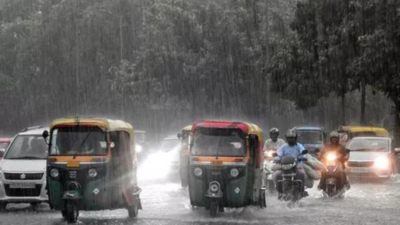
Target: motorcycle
pixel 333 175
pixel 268 165
pixel 292 189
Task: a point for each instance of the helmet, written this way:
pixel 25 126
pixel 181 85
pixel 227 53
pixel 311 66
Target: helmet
pixel 334 134
pixel 274 131
pixel 291 134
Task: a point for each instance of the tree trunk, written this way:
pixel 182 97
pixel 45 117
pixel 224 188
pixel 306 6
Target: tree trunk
pixel 343 119
pixel 362 116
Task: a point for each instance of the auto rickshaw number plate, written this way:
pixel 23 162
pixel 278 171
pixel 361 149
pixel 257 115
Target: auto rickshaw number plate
pixel 73 164
pixel 216 163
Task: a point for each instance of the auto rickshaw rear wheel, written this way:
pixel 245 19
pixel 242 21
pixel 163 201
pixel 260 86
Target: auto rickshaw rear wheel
pixel 72 212
pixel 133 211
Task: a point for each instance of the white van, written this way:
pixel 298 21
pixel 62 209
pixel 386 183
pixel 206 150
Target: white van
pixel 23 169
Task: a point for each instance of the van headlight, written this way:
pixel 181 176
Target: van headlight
pixel 198 172
pixel 234 172
pixel 381 163
pixel 92 173
pixel 54 173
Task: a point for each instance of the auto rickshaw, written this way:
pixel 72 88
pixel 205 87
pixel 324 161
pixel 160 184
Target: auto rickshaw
pixel 349 132
pixel 184 155
pixel 91 165
pixel 226 165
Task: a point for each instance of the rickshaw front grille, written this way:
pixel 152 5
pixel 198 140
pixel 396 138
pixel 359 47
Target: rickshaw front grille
pixel 23 176
pixel 23 192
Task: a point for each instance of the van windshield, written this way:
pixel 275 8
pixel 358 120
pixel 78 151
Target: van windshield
pixel 219 142
pixel 27 147
pixel 78 140
pixel 310 137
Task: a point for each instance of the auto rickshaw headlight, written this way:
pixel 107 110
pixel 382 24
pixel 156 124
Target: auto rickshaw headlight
pixel 234 172
pixel 54 173
pixel 92 173
pixel 198 172
pixel 214 187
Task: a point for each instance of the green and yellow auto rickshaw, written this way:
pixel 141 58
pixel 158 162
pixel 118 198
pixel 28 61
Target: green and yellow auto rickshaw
pixel 226 165
pixel 184 155
pixel 91 166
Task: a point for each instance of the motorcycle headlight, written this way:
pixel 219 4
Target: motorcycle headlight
pixel 234 172
pixel 54 173
pixel 381 163
pixel 331 157
pixel 198 172
pixel 287 166
pixel 269 154
pixel 138 148
pixel 92 173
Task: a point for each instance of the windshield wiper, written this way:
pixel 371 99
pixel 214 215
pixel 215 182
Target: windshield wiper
pixel 26 157
pixel 80 146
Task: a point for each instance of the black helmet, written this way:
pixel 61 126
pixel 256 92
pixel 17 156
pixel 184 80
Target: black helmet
pixel 274 131
pixel 291 134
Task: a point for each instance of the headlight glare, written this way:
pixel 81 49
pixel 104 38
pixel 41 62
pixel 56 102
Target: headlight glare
pixel 54 173
pixel 331 157
pixel 382 163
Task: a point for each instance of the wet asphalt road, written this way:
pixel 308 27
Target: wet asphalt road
pixel 168 203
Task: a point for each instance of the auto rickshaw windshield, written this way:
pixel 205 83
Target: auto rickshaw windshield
pixel 219 142
pixel 78 140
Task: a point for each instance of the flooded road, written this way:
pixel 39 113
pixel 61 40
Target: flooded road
pixel 167 203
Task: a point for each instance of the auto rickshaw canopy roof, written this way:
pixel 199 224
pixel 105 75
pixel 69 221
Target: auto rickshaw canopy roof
pixel 379 131
pixel 247 128
pixel 108 124
pixel 187 128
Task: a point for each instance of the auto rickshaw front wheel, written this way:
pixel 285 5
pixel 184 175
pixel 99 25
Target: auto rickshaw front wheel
pixel 71 212
pixel 214 208
pixel 133 211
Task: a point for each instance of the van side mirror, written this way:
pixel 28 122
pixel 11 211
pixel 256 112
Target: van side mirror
pixel 397 150
pixel 45 135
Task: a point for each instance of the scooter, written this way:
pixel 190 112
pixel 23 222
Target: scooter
pixel 292 189
pixel 268 164
pixel 333 176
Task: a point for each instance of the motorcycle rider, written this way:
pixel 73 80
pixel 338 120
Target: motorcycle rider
pixel 340 151
pixel 274 142
pixel 294 149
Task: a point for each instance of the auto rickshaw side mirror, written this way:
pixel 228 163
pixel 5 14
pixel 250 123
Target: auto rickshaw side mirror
pixel 304 152
pixel 397 150
pixel 45 135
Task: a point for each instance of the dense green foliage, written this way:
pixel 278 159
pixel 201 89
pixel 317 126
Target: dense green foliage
pixel 161 64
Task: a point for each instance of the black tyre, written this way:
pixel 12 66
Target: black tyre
pixel 214 208
pixel 330 190
pixel 72 212
pixel 64 214
pixel 133 211
pixel 3 206
pixel 262 201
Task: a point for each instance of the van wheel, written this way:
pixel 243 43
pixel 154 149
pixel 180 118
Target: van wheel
pixel 214 206
pixel 133 211
pixel 3 206
pixel 72 212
